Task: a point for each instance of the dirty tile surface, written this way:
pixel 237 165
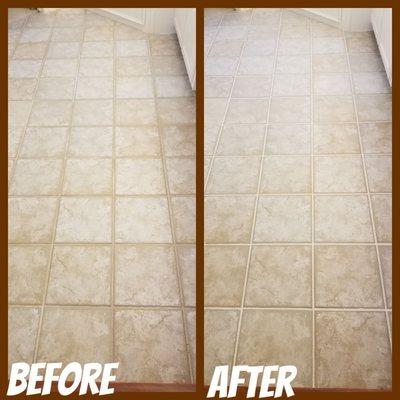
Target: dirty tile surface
pixel 101 197
pixel 298 143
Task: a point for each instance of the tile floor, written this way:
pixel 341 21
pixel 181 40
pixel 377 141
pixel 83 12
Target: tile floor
pixel 102 186
pixel 298 199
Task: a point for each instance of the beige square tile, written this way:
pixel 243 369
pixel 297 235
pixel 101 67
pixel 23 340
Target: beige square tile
pixel 91 142
pixel 336 138
pixel 137 141
pixel 93 112
pixel 256 65
pixel 291 268
pixel 181 175
pixel 63 50
pixel 342 219
pixel 40 20
pixel 61 34
pixel 10 168
pixel 142 220
pixel 51 113
pixel 187 269
pixel 283 219
pixel 379 172
pixel 259 47
pixel 14 138
pixel 376 137
pixel 291 85
pixel 371 83
pixel 84 219
pixel 385 255
pixel 374 108
pixel 94 88
pixel 125 32
pixel 242 18
pixel 294 31
pixel 214 111
pixel 211 134
pixel 226 48
pixel 366 62
pixel 150 346
pixel 27 271
pixel 134 87
pixel 21 89
pixel 263 29
pixel 80 275
pixel 223 224
pixel 294 46
pixel 290 109
pixel 245 111
pixel 173 86
pixel 220 262
pixel 177 111
pixel 332 84
pixel 184 218
pixel 241 140
pixel 18 112
pixel 286 174
pixel 141 282
pixel 218 86
pixel 130 48
pixel 99 32
pixel 31 219
pixel 139 176
pixel 70 20
pixel 328 45
pixel 234 175
pixel 231 33
pixel 76 334
pixel 102 49
pixel 30 51
pixel 62 68
pixel 36 177
pixel 248 86
pixel 179 140
pixel 347 276
pixel 293 64
pixel 288 139
pixel 55 89
pixel 220 328
pixel 341 342
pixel 92 67
pixel 278 338
pixel 34 35
pixel 132 66
pixel 338 174
pixel 382 210
pixel 168 65
pixel 23 325
pixel 221 66
pixel 320 29
pixel 333 109
pixel 326 63
pixel 361 42
pixel 88 176
pixel 135 112
pixel 191 328
pixel 99 21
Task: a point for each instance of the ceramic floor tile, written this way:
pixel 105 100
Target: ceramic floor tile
pixel 286 174
pixel 385 255
pixel 30 51
pixel 179 140
pixel 361 42
pixel 220 262
pixel 184 218
pixel 371 83
pixel 60 68
pixel 220 328
pixel 374 108
pixel 14 138
pixel 84 219
pixel 90 142
pixel 290 109
pixel 164 46
pixel 338 174
pixel 347 276
pixel 191 326
pixel 326 63
pixel 129 48
pixel 252 86
pixel 379 172
pixel 256 65
pixel 27 270
pixel 177 111
pixel 181 175
pixel 283 219
pixel 76 334
pixel 376 137
pixel 293 64
pixel 93 112
pixel 221 66
pixel 142 220
pixel 18 112
pixel 277 338
pixel 332 84
pixel 97 67
pixel 135 112
pixel 168 65
pixel 138 281
pixel 291 85
pixel 222 222
pixel 21 89
pixel 294 46
pixel 34 35
pixel 134 87
pixel 334 109
pixel 63 50
pixel 336 139
pixel 328 45
pixel 99 33
pixel 214 111
pixel 342 219
pixel 100 49
pixel 150 346
pixel 72 34
pixel 94 88
pixel 226 48
pixel 187 269
pixel 290 267
pixel 51 113
pixel 137 141
pixel 218 86
pixel 80 275
pixel 382 210
pixel 247 111
pixel 173 86
pixel 356 342
pixel 234 175
pixel 132 66
pixel 288 139
pixel 55 89
pixel 366 62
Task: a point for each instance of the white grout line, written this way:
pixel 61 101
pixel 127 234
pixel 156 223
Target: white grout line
pixel 237 339
pixel 369 193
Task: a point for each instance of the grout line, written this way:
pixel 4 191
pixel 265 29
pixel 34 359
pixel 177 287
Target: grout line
pixel 235 354
pixel 368 195
pixel 59 197
pixel 299 244
pixel 170 212
pixel 310 309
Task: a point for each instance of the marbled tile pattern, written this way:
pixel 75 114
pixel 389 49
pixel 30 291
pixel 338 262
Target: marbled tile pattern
pixel 102 189
pixel 298 198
